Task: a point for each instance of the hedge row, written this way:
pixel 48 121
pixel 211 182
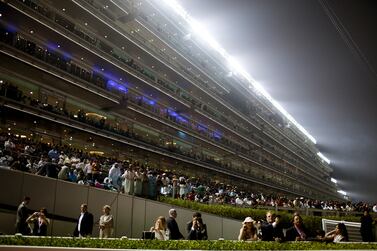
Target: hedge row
pixel 187 245
pixel 312 223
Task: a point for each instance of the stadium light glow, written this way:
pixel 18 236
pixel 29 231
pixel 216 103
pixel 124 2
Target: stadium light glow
pixel 334 180
pixel 342 192
pixel 233 64
pixel 323 157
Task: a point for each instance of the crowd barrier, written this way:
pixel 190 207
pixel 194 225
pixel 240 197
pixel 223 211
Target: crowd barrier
pixel 62 199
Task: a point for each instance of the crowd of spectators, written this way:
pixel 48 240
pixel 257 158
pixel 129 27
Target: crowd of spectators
pixel 132 177
pixel 269 229
pixel 56 59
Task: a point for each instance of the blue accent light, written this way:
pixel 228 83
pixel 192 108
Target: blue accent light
pixel 182 119
pixel 202 128
pixel 149 101
pixel 52 46
pixel 177 116
pixel 114 85
pixel 10 28
pixel 217 134
pixel 172 113
pixel 55 48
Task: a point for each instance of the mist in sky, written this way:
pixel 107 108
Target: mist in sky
pixel 320 70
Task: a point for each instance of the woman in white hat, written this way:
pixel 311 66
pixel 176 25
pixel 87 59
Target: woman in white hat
pixel 248 231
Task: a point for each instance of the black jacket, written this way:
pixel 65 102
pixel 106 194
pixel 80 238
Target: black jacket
pixel 292 233
pixel 175 234
pixel 269 232
pixel 39 230
pixel 22 214
pixel 86 227
pixel 197 234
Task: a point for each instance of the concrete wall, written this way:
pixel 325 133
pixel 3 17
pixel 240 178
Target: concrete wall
pixel 132 214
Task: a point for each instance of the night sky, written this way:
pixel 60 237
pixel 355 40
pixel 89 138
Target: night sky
pixel 318 59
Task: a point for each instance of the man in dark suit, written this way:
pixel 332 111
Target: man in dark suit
pixel 84 225
pixel 22 215
pixel 172 225
pixel 271 229
pixel 196 229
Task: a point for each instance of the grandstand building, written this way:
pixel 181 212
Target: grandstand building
pixel 129 79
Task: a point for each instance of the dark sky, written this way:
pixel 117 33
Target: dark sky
pixel 318 59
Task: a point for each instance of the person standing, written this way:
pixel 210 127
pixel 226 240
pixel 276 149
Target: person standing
pixel 175 234
pixel 161 232
pixel 196 229
pixel 366 226
pixel 84 225
pixel 39 222
pixel 114 175
pixel 106 223
pixel 22 215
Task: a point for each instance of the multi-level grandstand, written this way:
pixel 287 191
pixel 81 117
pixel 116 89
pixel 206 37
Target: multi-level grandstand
pixel 130 79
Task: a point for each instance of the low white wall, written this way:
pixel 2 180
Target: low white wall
pixel 132 214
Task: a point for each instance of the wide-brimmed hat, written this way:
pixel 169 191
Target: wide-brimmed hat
pixel 248 219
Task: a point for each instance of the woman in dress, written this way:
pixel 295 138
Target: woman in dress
pixel 138 184
pixel 161 232
pixel 339 234
pixel 106 223
pixel 129 176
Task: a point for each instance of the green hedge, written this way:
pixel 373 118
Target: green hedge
pixel 162 245
pixel 312 223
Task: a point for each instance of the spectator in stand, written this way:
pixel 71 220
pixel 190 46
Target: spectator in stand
pixel 175 187
pixel 297 232
pixel 144 180
pixel 339 234
pixel 174 232
pixel 248 231
pixel 84 226
pixel 152 185
pixel 128 177
pixel 22 216
pixel 53 154
pixel 106 223
pixel 64 172
pixel 49 169
pixel 183 190
pixel 366 226
pixel 158 186
pixel 161 232
pixel 196 229
pixel 165 184
pixel 39 222
pixel 115 176
pixel 9 145
pixel 138 185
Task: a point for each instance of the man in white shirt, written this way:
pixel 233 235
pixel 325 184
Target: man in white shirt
pixel 84 225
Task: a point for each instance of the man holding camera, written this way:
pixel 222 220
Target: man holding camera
pixel 196 229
